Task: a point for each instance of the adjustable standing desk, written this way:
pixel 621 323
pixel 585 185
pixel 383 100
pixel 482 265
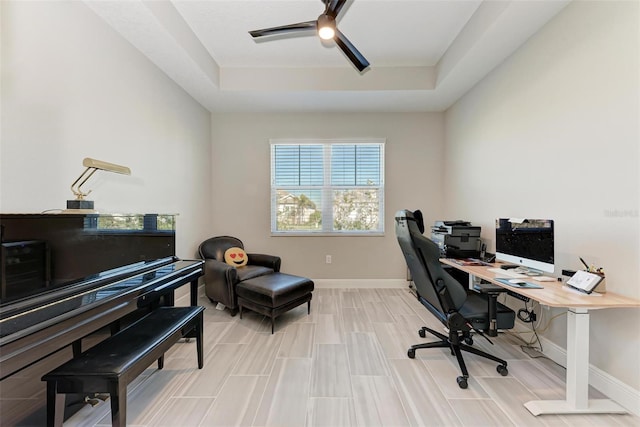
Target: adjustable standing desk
pixel 555 294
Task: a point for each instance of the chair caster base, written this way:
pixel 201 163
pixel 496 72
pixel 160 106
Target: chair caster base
pixel 462 382
pixel 502 370
pixel 411 353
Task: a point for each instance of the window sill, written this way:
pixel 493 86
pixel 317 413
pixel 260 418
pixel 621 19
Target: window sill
pixel 345 234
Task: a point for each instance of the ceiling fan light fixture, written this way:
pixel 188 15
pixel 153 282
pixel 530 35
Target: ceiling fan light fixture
pixel 326 27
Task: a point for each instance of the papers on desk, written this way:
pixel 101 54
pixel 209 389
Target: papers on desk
pixel 526 285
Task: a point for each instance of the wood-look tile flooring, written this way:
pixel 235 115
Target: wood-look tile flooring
pixel 345 364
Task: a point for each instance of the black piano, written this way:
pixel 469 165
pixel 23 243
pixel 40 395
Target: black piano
pixel 64 277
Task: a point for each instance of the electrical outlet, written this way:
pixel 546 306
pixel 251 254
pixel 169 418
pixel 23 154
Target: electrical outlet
pixel 328 259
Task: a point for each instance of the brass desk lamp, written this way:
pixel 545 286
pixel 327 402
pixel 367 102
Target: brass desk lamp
pixel 91 165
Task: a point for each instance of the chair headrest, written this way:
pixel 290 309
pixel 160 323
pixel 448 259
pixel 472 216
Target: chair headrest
pixel 417 214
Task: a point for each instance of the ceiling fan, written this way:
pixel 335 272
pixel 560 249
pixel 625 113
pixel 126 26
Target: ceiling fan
pixel 327 30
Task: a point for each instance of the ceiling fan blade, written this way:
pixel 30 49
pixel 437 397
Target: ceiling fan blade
pixel 334 7
pixel 300 26
pixel 350 50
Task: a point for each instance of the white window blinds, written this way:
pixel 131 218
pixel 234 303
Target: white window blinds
pixel 327 186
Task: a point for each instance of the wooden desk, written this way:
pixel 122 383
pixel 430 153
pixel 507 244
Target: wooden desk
pixel 555 294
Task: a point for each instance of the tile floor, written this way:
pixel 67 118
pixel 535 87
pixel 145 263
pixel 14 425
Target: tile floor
pixel 345 364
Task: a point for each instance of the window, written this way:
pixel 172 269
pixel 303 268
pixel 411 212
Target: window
pixel 327 187
pixel 131 222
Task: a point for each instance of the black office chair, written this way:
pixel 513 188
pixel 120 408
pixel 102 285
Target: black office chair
pixel 446 298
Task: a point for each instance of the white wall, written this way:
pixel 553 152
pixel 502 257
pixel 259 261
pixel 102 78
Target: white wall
pixel 554 133
pixel 241 192
pixel 73 88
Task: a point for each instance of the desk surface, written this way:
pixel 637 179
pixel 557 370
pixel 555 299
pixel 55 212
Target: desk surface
pixel 554 294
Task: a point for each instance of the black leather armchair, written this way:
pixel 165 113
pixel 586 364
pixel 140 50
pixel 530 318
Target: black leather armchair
pixel 221 278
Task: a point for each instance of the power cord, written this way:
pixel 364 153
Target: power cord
pixel 527 316
pixel 529 346
pixel 531 318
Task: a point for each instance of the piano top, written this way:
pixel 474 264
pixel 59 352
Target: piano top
pixel 21 318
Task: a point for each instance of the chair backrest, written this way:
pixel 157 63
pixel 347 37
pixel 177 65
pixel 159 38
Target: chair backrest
pixel 437 290
pixel 215 247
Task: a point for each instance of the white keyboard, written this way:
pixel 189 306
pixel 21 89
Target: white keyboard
pixel 544 279
pixel 507 273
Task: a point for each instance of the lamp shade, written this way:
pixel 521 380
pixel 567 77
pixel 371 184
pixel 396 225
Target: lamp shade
pixel 91 165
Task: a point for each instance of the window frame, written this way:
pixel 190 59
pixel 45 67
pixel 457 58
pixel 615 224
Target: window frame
pixel 326 186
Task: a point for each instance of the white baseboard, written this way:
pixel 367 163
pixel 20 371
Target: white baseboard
pixel 360 283
pixel 613 388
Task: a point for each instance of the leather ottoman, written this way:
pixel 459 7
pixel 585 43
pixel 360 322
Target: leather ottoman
pixel 274 294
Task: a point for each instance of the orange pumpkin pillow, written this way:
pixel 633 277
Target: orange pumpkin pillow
pixel 236 257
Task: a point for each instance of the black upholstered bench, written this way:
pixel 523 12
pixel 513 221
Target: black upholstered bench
pixel 113 363
pixel 274 294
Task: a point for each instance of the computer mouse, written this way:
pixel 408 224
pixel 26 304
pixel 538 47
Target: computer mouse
pixel 517 281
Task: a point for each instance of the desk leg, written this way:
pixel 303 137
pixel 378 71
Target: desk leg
pixel 577 395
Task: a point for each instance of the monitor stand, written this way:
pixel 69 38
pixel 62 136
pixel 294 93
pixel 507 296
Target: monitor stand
pixel 528 271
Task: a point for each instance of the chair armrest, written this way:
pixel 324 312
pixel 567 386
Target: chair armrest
pixel 220 283
pixel 492 291
pixel 489 288
pixel 217 271
pixel 270 261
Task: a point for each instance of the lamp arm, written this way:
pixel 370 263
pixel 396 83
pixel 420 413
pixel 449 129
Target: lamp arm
pixel 84 176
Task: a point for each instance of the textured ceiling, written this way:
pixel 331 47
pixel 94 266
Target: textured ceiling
pixel 424 54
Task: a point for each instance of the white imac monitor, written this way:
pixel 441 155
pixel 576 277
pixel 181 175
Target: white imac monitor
pixel 526 242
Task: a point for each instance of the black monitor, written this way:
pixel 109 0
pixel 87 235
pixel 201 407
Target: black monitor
pixel 526 242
